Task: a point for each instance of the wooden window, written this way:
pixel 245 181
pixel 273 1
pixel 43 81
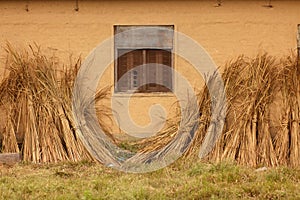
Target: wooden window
pixel 143 58
pixel 155 76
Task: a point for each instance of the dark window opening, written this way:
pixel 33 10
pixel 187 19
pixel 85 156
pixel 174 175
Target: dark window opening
pixel 143 58
pixel 130 76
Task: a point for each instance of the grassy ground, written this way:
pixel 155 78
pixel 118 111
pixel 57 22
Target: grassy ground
pixel 179 181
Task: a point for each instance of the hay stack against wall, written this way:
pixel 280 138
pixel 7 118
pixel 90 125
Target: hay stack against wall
pixel 262 121
pixel 37 99
pixel 261 127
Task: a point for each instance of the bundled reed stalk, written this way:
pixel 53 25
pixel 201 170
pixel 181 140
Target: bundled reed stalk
pixel 251 89
pixel 38 97
pixel 261 125
pixel 9 143
pixel 291 93
pixel 256 90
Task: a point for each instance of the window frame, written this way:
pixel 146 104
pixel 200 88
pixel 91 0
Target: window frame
pixel 116 56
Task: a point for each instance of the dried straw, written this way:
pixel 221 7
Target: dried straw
pixel 261 126
pixel 39 98
pixel 250 135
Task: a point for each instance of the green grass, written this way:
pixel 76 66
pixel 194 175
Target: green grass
pixel 179 181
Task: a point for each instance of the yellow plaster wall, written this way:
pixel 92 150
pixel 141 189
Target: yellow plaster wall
pixel 236 27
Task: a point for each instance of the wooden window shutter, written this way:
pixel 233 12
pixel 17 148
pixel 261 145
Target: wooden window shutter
pixel 151 60
pixel 167 71
pixel 126 62
pixel 156 73
pixel 122 84
pixel 136 74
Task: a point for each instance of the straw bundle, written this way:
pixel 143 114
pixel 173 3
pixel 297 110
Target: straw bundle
pixel 9 139
pixel 253 88
pixel 261 126
pixel 37 97
pixel 262 119
pixel 289 143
